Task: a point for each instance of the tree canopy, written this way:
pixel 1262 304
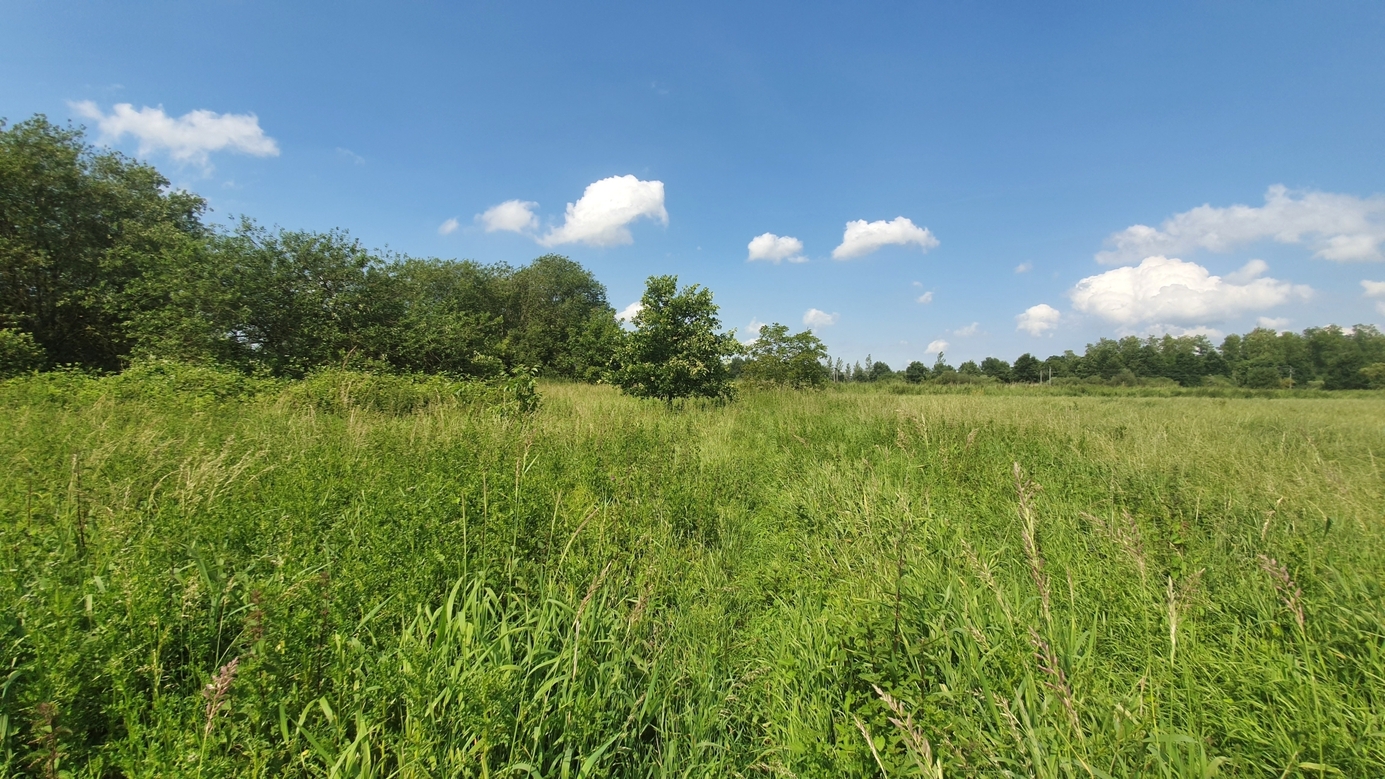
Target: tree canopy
pixel 675 350
pixel 775 357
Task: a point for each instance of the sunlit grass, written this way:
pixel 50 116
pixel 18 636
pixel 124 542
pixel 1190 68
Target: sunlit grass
pixel 606 588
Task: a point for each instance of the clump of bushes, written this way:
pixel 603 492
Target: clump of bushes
pixel 19 353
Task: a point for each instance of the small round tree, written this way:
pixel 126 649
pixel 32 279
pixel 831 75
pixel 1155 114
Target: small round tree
pixel 675 350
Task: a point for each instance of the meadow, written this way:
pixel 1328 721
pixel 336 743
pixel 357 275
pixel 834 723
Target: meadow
pixel 357 577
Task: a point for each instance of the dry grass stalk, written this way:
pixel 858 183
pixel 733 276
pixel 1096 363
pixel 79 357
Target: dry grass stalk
pixel 917 743
pixel 1286 587
pixel 861 726
pixel 983 572
pixel 1026 490
pixel 1014 725
pixel 1057 680
pixel 1269 517
pixel 581 608
pixel 1178 600
pixel 218 691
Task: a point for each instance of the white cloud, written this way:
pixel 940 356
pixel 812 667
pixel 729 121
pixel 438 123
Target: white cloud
pixel 936 346
pixel 815 318
pixel 1337 227
pixel 1375 289
pixel 1178 332
pixel 188 138
pixel 449 227
pixel 1272 322
pixel 753 330
pixel 602 215
pixel 926 297
pixel 1024 267
pixel 862 237
pixel 1248 272
pixel 775 248
pixel 969 330
pixel 1037 320
pixel 628 313
pixel 515 216
pixel 1171 291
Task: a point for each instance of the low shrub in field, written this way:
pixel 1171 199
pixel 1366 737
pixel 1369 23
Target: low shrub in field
pixel 335 390
pixel 18 353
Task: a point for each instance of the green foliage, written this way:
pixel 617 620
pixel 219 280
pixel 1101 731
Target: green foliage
pixel 1374 374
pixel 917 372
pixel 675 351
pixel 18 353
pixel 341 391
pixel 1026 369
pixel 556 316
pixel 776 357
pixel 599 588
pixel 78 227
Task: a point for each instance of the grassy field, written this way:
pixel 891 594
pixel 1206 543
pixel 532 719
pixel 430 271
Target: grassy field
pixel 267 581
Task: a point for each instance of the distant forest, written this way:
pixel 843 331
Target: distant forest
pixel 102 263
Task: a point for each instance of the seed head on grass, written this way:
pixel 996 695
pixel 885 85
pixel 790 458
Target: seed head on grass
pixel 218 691
pixel 1286 587
pixel 914 740
pixel 1057 680
pixel 983 572
pixel 1026 490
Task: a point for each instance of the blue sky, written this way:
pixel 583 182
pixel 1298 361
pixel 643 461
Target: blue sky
pixel 1007 136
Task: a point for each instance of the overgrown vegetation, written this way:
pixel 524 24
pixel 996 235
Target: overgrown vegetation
pixel 217 574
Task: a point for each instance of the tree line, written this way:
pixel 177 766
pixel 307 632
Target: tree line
pixel 1329 357
pixel 102 262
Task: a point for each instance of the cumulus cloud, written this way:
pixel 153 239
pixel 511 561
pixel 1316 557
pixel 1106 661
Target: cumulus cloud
pixel 602 215
pixel 1037 320
pixel 1178 332
pixel 862 237
pixel 969 330
pixel 628 313
pixel 936 346
pixel 515 216
pixel 1248 272
pixel 815 318
pixel 775 248
pixel 926 297
pixel 1375 289
pixel 449 227
pixel 1024 267
pixel 1170 291
pixel 1337 227
pixel 1272 322
pixel 187 138
pixel 753 330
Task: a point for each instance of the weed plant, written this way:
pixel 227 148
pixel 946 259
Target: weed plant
pixel 357 579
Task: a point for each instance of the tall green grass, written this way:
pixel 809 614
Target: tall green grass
pixel 277 582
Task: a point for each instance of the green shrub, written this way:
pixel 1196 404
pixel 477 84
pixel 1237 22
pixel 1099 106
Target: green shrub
pixel 19 353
